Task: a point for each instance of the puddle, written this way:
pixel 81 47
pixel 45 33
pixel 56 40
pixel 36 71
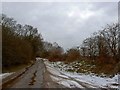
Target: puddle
pixel 33 78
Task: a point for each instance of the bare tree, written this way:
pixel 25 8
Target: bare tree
pixel 110 35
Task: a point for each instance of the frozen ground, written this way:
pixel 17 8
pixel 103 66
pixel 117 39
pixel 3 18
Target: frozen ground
pixel 78 80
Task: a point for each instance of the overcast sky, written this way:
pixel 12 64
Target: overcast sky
pixel 68 24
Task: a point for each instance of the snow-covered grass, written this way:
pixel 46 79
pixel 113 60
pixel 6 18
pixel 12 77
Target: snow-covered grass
pixel 79 80
pixel 4 75
pixel 70 84
pixel 95 80
pixel 76 66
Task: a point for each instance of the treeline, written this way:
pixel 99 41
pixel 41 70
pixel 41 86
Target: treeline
pixel 20 44
pixel 101 50
pixel 103 45
pixel 53 52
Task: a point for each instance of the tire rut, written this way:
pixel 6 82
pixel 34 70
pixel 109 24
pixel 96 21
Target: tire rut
pixel 33 79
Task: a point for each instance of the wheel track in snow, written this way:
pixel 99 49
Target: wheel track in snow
pixel 86 86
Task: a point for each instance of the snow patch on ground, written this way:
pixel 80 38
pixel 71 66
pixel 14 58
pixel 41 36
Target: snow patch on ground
pixel 66 82
pixel 95 80
pixel 70 84
pixel 71 79
pixel 4 75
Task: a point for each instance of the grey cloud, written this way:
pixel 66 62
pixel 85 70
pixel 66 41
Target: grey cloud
pixel 53 21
